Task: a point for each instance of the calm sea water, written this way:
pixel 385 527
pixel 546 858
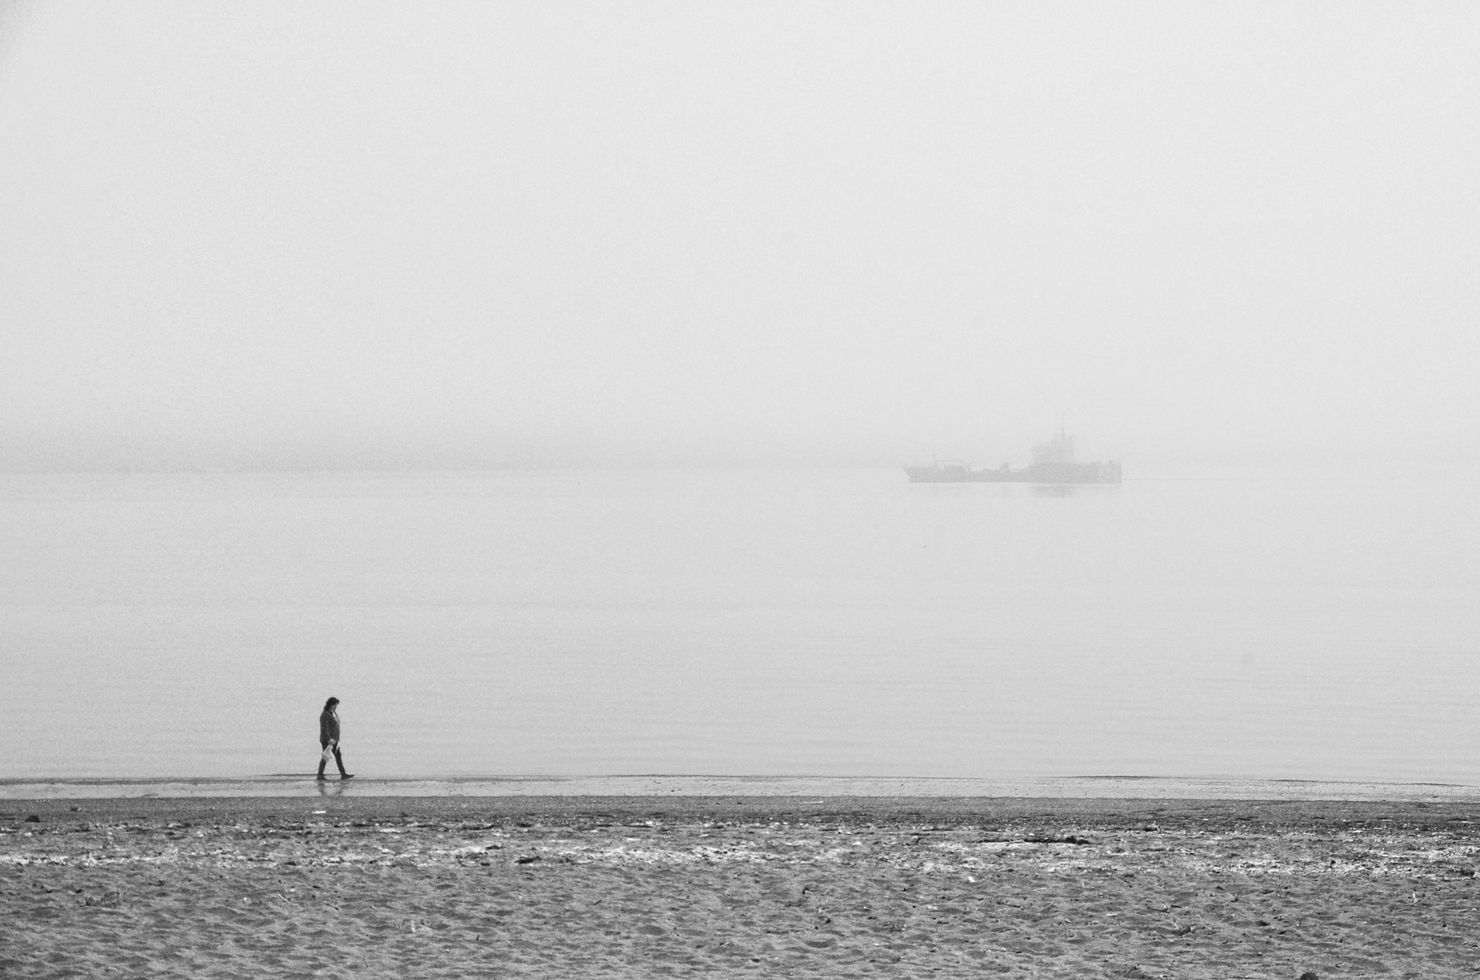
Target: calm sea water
pixel 738 622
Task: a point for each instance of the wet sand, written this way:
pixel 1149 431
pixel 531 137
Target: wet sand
pixel 1058 787
pixel 728 886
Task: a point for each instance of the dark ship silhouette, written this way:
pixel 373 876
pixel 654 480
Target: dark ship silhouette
pixel 1053 462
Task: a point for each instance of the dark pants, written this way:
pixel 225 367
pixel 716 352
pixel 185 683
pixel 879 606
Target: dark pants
pixel 338 759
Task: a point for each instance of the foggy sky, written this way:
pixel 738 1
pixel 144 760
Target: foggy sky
pixel 433 234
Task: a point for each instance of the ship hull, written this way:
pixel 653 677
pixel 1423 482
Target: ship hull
pixel 1046 473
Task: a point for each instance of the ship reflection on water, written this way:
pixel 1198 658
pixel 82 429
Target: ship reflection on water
pixel 1055 489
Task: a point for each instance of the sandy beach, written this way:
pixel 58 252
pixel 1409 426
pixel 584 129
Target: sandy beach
pixel 624 887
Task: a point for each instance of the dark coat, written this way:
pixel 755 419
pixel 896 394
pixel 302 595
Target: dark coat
pixel 328 727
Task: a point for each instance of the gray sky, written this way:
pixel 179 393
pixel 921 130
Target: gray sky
pixel 283 234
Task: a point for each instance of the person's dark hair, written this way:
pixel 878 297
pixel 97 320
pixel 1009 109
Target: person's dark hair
pixel 330 703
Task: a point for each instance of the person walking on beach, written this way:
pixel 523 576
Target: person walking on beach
pixel 329 738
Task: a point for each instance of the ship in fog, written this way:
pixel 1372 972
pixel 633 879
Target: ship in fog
pixel 1053 462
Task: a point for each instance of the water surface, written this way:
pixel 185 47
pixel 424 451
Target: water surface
pixel 837 622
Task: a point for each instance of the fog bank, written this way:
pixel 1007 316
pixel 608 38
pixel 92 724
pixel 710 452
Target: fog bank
pixel 277 235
